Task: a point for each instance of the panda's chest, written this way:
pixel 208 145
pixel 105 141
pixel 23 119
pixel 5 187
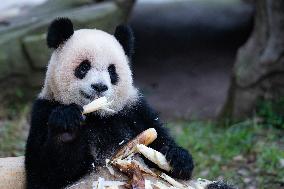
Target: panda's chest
pixel 105 137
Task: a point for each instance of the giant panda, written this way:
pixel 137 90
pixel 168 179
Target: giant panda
pixel 86 64
pixel 63 145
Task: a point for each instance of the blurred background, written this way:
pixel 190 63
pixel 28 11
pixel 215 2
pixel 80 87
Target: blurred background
pixel 213 69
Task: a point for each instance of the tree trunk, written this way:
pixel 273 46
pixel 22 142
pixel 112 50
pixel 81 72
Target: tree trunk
pixel 259 68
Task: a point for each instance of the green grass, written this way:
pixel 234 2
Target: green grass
pixel 246 154
pixel 272 112
pixel 13 131
pixel 11 141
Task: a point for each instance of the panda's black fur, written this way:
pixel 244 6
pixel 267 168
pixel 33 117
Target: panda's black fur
pixel 125 36
pixel 220 185
pixel 59 31
pixel 58 151
pixel 53 163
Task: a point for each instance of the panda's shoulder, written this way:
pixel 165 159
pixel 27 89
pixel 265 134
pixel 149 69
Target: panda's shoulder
pixel 141 108
pixel 43 106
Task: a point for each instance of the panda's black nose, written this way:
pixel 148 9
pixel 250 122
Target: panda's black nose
pixel 99 87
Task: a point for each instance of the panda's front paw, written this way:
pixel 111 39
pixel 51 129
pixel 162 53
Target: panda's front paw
pixel 65 119
pixel 181 163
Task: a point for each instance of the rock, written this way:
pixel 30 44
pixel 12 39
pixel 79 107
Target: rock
pixel 189 23
pixel 35 48
pixel 238 158
pixel 281 162
pixel 12 173
pixel 23 47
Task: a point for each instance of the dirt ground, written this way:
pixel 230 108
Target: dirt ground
pixel 186 86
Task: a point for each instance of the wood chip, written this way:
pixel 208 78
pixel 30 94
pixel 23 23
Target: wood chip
pixel 154 156
pixel 102 184
pixel 172 181
pixel 137 181
pixel 109 167
pixel 160 185
pixel 126 166
pixel 148 184
pixel 146 138
pixel 99 184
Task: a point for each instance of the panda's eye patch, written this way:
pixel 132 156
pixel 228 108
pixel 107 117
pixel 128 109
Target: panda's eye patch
pixel 112 73
pixel 82 70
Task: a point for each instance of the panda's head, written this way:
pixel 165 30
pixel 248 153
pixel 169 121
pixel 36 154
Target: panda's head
pixel 89 63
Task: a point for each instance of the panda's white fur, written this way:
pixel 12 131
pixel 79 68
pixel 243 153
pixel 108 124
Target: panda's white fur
pixel 101 49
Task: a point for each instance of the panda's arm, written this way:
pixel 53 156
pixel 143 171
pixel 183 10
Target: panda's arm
pixel 179 158
pixel 49 159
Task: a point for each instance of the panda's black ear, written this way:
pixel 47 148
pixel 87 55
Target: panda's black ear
pixel 59 31
pixel 125 36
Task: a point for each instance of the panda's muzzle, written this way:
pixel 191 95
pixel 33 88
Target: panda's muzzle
pixel 99 87
pixel 98 90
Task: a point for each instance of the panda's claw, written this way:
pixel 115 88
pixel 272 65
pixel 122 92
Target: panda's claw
pixel 181 163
